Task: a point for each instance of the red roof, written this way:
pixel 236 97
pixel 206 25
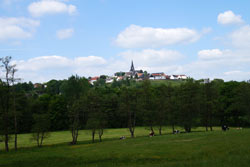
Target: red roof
pixel 157 74
pixel 94 78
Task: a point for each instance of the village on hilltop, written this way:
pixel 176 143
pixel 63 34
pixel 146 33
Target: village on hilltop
pixel 138 75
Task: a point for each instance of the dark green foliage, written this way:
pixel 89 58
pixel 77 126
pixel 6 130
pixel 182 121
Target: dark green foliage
pixel 58 113
pixel 189 104
pixel 53 87
pixel 97 115
pixel 40 128
pixel 128 107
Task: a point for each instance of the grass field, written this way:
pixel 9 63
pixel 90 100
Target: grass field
pixel 217 148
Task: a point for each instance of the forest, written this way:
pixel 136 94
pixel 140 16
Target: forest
pixel 74 104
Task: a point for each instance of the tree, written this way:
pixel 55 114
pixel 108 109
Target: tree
pixel 40 129
pixel 189 97
pixel 13 81
pixel 74 119
pixel 53 87
pixel 96 113
pixel 9 71
pixel 228 113
pixel 163 105
pixel 58 113
pixel 41 125
pixel 128 102
pixel 148 104
pixel 241 105
pixel 73 89
pixel 210 95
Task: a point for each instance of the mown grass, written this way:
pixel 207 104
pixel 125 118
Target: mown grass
pixel 217 148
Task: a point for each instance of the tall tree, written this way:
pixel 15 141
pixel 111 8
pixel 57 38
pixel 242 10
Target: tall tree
pixel 210 97
pixel 148 104
pixel 189 97
pixel 41 125
pixel 6 100
pixel 73 89
pixel 13 80
pixel 128 105
pixel 96 113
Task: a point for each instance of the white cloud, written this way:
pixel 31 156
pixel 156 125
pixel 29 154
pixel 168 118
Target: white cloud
pixel 216 63
pixel 17 28
pixel 65 33
pixel 241 37
pixel 237 75
pixel 228 17
pixel 44 7
pixel 140 37
pixel 44 68
pixel 213 54
pixel 150 57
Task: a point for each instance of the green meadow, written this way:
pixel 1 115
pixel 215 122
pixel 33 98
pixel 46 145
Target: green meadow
pixel 199 148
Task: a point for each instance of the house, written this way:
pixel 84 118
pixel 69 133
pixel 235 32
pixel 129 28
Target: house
pixel 182 77
pixel 93 79
pixel 38 85
pixel 157 76
pixel 109 80
pixel 176 77
pixel 140 75
pixel 119 78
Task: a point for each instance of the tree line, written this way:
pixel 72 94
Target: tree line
pixel 74 104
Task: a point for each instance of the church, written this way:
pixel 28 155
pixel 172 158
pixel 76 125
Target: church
pixel 137 74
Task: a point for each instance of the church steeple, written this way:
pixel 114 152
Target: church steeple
pixel 132 68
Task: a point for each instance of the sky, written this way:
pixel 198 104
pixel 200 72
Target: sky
pixel 54 39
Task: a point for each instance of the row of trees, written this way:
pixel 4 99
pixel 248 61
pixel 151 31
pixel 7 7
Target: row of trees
pixel 74 104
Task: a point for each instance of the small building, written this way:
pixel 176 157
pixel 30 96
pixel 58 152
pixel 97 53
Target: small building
pixel 157 76
pixel 174 77
pixel 93 79
pixel 177 77
pixel 38 85
pixel 182 77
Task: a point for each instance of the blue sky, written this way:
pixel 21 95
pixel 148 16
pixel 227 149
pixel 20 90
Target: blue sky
pixel 53 39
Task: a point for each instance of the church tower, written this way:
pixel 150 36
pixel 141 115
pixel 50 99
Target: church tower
pixel 132 68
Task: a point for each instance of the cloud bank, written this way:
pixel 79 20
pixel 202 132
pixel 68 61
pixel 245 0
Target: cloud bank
pixel 228 17
pixel 46 7
pixel 136 36
pixel 17 27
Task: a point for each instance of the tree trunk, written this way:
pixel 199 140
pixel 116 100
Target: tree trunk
pixel 173 128
pixel 6 142
pixel 131 132
pixel 93 135
pixel 15 122
pixel 15 141
pixel 160 130
pixel 37 139
pixel 41 143
pixel 151 128
pixel 100 134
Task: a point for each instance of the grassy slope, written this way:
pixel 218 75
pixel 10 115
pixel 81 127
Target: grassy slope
pixel 216 148
pixel 172 82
